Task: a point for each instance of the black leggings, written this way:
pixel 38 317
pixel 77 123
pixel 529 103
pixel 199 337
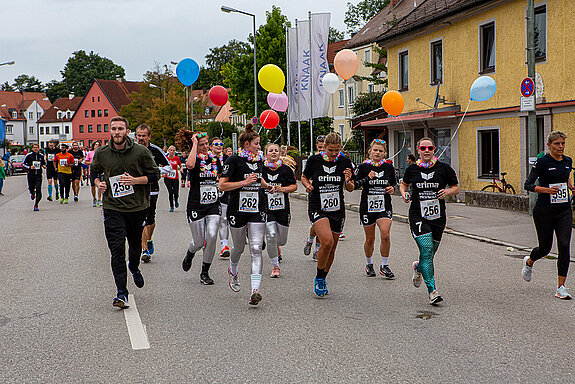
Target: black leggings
pixel 35 185
pixel 64 179
pixel 173 186
pixel 547 221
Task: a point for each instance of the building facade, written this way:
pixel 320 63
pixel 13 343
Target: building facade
pixel 21 112
pixel 56 123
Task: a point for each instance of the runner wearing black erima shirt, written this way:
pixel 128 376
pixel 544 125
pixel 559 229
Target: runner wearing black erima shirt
pixel 217 148
pixel 34 163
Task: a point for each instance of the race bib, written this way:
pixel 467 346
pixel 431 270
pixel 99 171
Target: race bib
pixel 37 164
pixel 75 162
pixel 208 194
pixel 329 201
pixel 118 189
pixel 171 174
pixel 276 201
pixel 375 203
pixel 249 201
pixel 430 209
pixel 50 157
pixel 63 162
pixel 562 196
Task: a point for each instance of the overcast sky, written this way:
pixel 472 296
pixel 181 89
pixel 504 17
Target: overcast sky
pixel 40 35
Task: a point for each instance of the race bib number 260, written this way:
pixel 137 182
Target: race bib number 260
pixel 329 201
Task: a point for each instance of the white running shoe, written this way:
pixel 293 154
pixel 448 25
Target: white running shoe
pixel 417 277
pixel 307 247
pixel 234 281
pixel 434 298
pixel 527 270
pixel 562 293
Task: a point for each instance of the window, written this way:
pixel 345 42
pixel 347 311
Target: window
pixel 38 115
pixel 31 130
pixel 42 144
pixel 488 152
pixel 98 99
pixel 47 130
pixel 92 99
pixel 93 113
pixel 487 44
pixel 340 98
pixel 55 130
pixel 350 95
pixel 105 127
pixel 370 88
pixel 14 115
pixel 367 56
pixel 99 112
pixel 99 128
pixel 341 128
pixel 67 129
pixel 540 134
pixel 540 33
pixel 81 128
pixel 90 143
pixel 31 115
pixel 105 113
pixel 437 62
pixel 68 114
pixel 41 130
pixel 403 71
pixel 86 113
pixel 9 129
pixel 90 128
pixel 59 115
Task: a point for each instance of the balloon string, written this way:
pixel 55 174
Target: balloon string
pixel 404 136
pixel 457 130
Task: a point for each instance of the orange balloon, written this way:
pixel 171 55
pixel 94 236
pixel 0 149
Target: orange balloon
pixel 346 63
pixel 393 103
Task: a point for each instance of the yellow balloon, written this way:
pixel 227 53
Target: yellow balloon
pixel 272 78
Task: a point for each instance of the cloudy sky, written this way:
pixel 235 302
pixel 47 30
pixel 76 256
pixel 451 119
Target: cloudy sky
pixel 42 35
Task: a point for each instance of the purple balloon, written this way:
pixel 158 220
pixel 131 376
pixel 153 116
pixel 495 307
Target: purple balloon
pixel 278 101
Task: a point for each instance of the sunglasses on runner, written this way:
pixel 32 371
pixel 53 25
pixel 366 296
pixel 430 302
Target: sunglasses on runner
pixel 320 138
pixel 427 147
pixel 379 141
pixel 218 144
pixel 202 134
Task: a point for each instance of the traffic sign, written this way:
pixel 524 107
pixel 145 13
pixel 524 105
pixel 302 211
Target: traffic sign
pixel 527 103
pixel 527 87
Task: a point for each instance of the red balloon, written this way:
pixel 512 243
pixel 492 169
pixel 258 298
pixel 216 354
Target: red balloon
pixel 218 95
pixel 269 119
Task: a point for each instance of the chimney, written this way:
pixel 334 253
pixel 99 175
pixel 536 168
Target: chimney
pixel 71 95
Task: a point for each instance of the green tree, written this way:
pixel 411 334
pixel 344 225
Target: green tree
pixel 358 15
pixel 335 35
pixel 378 68
pixel 27 84
pixel 55 89
pixel 6 87
pixel 366 102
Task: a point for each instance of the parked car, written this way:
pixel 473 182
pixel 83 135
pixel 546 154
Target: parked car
pixel 15 165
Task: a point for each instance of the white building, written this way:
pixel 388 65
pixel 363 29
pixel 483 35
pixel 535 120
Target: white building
pixel 56 123
pixel 20 112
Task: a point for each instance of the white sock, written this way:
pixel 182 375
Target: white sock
pixel 317 244
pixel 234 268
pixel 256 280
pixel 384 260
pixel 224 243
pixel 310 239
pixel 368 260
pixel 275 261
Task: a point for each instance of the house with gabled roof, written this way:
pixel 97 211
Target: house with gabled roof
pixel 20 112
pixel 56 123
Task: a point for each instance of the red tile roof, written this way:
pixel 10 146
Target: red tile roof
pixel 333 49
pixel 118 92
pixel 13 100
pixel 63 104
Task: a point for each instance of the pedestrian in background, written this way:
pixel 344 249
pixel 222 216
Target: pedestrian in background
pixel 2 176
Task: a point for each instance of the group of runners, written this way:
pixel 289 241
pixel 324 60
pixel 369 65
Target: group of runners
pixel 246 195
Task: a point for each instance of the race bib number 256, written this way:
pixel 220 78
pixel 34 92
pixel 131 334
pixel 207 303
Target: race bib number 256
pixel 118 188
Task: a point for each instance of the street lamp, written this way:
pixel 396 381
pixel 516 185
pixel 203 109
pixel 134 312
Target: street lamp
pixel 8 63
pixel 227 9
pixel 162 88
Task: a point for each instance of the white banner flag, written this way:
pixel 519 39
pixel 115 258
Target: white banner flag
pixel 320 66
pixel 303 70
pixel 293 75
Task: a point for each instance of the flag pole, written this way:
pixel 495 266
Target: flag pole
pixel 288 85
pixel 298 88
pixel 310 88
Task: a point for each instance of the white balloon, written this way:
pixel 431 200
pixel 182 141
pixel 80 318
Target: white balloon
pixel 330 82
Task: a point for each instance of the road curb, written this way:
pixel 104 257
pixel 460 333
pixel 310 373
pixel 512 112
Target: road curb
pixel 404 219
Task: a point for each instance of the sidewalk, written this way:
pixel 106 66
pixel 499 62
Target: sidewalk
pixel 495 226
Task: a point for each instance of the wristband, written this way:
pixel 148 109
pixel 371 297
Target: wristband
pixel 242 183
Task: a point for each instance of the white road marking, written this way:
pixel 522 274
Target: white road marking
pixel 136 330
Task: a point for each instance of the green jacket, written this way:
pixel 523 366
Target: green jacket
pixel 2 173
pixel 134 159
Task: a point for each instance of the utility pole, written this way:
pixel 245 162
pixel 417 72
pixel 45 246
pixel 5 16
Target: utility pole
pixel 531 115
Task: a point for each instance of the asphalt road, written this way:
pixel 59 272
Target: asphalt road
pixel 57 323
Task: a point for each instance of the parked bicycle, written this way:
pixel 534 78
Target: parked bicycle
pixel 494 187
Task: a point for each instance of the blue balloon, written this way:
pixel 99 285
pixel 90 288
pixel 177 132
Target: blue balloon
pixel 483 88
pixel 187 71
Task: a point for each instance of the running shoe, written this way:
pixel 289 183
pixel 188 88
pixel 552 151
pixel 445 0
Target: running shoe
pixel 385 271
pixel 138 279
pixel 417 277
pixel 527 270
pixel 205 279
pixel 75 198
pixel 307 247
pixel 36 208
pixel 319 287
pixel 434 298
pixel 94 203
pixel 342 236
pixel 177 204
pixel 256 297
pixel 150 245
pixel 66 201
pixel 61 201
pixel 314 257
pixel 146 256
pixel 121 301
pixel 275 272
pixel 187 263
pixel 99 203
pixel 369 271
pixel 225 252
pixel 32 196
pixel 234 281
pixel 57 196
pixel 171 209
pixel 562 293
pixel 49 198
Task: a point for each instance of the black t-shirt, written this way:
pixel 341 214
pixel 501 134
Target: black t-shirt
pixel 549 172
pixel 373 196
pixel 249 198
pixel 204 184
pixel 224 196
pixel 77 155
pixel 425 183
pixel 282 176
pixel 328 181
pixel 50 153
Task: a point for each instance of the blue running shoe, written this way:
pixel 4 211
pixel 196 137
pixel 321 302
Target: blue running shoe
pixel 121 301
pixel 319 287
pixel 171 209
pixel 151 247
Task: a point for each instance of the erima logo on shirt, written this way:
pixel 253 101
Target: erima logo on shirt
pixel 253 166
pixel 379 174
pixel 273 177
pixel 328 169
pixel 427 176
pixel 226 167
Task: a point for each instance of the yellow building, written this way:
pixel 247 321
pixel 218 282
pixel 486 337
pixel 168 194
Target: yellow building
pixel 435 51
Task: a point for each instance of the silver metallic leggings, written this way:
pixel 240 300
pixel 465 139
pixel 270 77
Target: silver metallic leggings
pixel 205 231
pixel 224 223
pixel 255 233
pixel 276 236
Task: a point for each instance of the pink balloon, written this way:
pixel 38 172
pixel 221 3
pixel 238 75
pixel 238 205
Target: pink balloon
pixel 278 101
